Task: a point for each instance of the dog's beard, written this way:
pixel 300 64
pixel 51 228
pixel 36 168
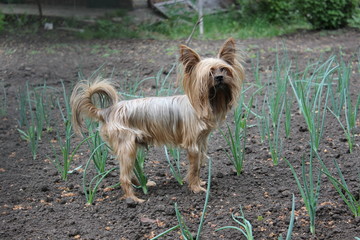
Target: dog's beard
pixel 220 97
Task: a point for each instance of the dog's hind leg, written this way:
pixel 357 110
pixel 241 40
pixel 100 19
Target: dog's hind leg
pixel 126 154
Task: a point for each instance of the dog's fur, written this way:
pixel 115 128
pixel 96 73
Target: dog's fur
pixel 212 86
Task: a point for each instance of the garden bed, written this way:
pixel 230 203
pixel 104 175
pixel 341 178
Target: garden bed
pixel 37 204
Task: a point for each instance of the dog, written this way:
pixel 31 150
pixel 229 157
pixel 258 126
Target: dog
pixel 212 87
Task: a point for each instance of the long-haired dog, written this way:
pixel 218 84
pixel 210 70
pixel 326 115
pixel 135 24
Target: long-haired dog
pixel 212 86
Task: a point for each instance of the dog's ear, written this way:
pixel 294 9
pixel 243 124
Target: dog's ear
pixel 228 51
pixel 189 58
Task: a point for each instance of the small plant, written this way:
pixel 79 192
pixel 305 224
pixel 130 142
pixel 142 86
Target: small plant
pixel 236 139
pixel 162 85
pixel 308 190
pixel 91 189
pixel 67 153
pixel 3 98
pixel 139 170
pixel 174 165
pixel 185 232
pixel 292 219
pixel 350 119
pixel 99 149
pixel 261 118
pixel 352 201
pixel 245 225
pixel 309 95
pixel 276 101
pixel 22 96
pixel 30 135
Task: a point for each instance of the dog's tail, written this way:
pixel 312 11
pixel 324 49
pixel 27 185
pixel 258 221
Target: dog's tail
pixel 86 98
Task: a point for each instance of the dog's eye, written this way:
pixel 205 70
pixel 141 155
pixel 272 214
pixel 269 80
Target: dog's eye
pixel 222 69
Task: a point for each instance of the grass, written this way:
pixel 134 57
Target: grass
pixel 216 26
pixel 219 26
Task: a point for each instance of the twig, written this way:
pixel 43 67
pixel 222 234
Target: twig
pixel 193 30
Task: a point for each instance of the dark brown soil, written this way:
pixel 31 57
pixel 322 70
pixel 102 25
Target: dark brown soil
pixel 36 204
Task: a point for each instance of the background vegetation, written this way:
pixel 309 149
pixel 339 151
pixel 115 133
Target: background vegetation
pixel 245 19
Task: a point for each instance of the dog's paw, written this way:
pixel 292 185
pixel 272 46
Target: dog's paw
pixel 197 189
pixel 150 184
pixel 130 200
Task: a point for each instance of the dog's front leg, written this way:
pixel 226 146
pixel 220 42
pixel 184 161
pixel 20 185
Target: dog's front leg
pixel 193 175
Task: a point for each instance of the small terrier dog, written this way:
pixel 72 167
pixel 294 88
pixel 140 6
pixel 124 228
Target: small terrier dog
pixel 211 85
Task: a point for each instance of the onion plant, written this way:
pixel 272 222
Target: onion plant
pixel 22 96
pixel 91 188
pixel 162 85
pixel 337 97
pixel 292 219
pixel 174 164
pixel 309 189
pixel 351 200
pixel 273 136
pixel 185 232
pixel 277 91
pixel 255 65
pixel 261 118
pixel 139 170
pixel 309 92
pixel 3 100
pixel 245 226
pixel 236 139
pixel 99 149
pixel 67 152
pixel 351 112
pixel 31 134
pixel 288 107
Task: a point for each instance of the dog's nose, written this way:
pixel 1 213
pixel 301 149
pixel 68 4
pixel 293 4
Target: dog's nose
pixel 219 79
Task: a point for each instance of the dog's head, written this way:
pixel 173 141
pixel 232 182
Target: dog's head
pixel 213 85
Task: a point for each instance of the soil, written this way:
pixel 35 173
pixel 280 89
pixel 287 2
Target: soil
pixel 36 204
